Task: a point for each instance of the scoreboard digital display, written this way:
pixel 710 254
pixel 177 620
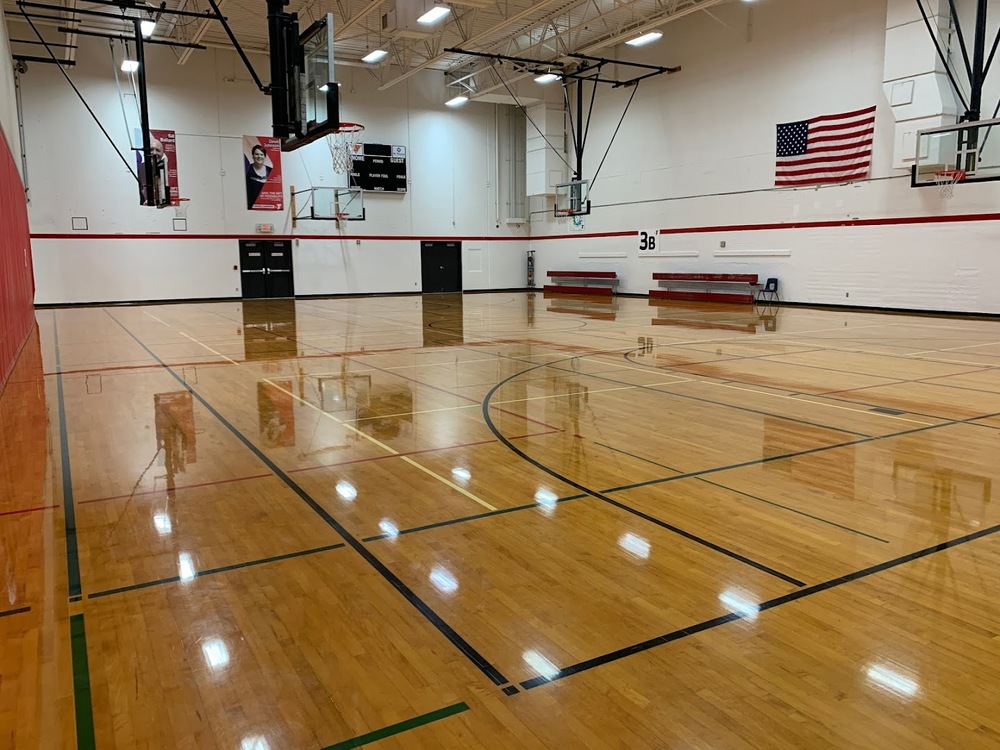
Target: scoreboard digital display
pixel 379 167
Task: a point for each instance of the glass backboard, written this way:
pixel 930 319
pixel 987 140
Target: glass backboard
pixel 971 147
pixel 573 198
pixel 337 203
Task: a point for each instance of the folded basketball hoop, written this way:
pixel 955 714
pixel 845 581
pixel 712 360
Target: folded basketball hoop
pixel 342 142
pixel 946 181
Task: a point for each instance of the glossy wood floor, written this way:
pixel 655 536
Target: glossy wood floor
pixel 500 521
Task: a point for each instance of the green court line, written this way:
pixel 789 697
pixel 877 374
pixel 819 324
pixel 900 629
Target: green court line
pixel 81 685
pixel 403 726
pixel 745 494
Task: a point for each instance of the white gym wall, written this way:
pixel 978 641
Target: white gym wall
pixel 211 103
pixel 697 150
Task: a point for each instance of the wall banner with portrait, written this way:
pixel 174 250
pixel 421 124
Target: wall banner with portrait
pixel 163 146
pixel 262 164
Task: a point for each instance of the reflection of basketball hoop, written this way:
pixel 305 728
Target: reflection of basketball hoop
pixel 946 181
pixel 180 208
pixel 342 142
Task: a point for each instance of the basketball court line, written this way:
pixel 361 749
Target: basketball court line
pixel 689 397
pixel 383 446
pixel 402 726
pixel 216 353
pixel 584 393
pixel 40 508
pixel 747 494
pixel 463 646
pixel 18 611
pixel 212 571
pixel 801 593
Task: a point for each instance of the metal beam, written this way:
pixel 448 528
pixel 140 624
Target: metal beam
pixel 198 35
pixel 122 37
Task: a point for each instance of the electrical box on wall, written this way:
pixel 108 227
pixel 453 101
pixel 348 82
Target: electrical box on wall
pixel 265 228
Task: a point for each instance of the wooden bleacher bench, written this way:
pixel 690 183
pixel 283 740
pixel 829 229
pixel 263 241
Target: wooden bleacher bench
pixel 719 287
pixel 588 282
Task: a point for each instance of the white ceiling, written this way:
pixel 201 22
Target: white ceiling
pixel 540 30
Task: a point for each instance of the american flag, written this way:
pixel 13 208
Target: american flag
pixel 831 148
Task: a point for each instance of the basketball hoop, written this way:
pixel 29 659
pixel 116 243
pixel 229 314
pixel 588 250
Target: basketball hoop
pixel 946 181
pixel 342 142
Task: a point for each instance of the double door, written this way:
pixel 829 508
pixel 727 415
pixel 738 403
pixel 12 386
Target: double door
pixel 441 266
pixel 266 268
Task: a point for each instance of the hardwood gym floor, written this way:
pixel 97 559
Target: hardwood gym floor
pixel 500 521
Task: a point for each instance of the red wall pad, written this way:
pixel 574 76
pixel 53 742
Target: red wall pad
pixel 17 288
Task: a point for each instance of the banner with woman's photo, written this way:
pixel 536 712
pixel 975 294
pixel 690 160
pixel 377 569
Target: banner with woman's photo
pixel 262 163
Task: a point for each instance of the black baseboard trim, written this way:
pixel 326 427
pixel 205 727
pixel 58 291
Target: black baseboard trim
pixel 885 310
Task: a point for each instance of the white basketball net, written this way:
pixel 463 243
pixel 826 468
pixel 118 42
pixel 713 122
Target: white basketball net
pixel 342 143
pixel 946 182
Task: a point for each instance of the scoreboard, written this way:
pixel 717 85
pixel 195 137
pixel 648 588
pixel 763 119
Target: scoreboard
pixel 378 167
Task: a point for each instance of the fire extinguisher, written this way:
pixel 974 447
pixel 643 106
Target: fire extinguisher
pixel 531 269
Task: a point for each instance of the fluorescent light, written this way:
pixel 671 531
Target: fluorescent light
pixel 547 78
pixel 374 56
pixel 458 101
pixel 540 664
pixel 185 567
pixel 634 545
pixel 891 680
pixel 443 580
pixel 147 28
pixel 434 15
pixel 652 36
pixel 130 66
pixel 215 652
pixel 325 87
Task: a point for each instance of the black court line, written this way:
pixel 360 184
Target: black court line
pixel 18 611
pixel 463 519
pixel 747 494
pixel 611 501
pixel 69 508
pixel 419 604
pixel 700 627
pixel 213 571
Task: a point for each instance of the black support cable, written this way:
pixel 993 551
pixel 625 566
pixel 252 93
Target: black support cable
pixel 961 38
pixel 613 135
pixel 239 49
pixel 993 53
pixel 521 107
pixel 80 96
pixel 590 113
pixel 941 55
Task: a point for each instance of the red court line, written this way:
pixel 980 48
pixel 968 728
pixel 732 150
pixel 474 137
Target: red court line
pixel 289 471
pixel 414 453
pixel 175 489
pixel 27 510
pixel 187 236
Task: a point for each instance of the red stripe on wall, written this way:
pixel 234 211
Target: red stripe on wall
pixel 17 292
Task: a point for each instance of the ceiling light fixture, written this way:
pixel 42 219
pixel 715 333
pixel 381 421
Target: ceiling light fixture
pixel 547 78
pixel 374 56
pixel 434 15
pixel 130 66
pixel 458 101
pixel 652 36
pixel 147 28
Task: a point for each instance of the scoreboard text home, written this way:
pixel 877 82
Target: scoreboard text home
pixel 376 166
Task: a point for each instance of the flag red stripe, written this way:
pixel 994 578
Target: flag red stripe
pixel 852 125
pixel 823 149
pixel 821 180
pixel 791 162
pixel 823 170
pixel 845 115
pixel 843 137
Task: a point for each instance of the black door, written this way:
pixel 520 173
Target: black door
pixel 279 271
pixel 266 268
pixel 441 266
pixel 253 269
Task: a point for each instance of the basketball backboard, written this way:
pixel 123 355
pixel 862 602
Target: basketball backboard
pixel 305 97
pixel 337 203
pixel 573 198
pixel 971 147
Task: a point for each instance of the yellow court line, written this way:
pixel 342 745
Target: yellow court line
pixel 382 445
pixel 217 353
pixel 157 319
pixel 954 348
pixel 817 403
